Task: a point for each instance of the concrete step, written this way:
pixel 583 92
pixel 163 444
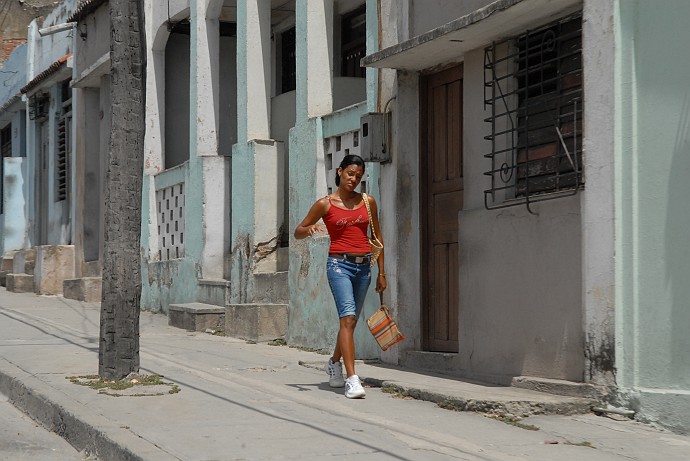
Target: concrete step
pixel 7 261
pixel 561 387
pixel 256 322
pixel 20 259
pixel 196 316
pixel 3 277
pixel 271 288
pixel 214 291
pixel 54 265
pixel 86 289
pixel 20 283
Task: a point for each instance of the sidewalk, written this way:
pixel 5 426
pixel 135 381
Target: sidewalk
pixel 247 401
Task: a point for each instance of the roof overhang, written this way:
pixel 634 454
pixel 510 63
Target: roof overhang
pixel 59 70
pixel 448 43
pixel 91 77
pixel 10 107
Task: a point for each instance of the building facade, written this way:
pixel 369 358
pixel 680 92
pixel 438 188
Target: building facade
pixel 534 183
pixel 527 157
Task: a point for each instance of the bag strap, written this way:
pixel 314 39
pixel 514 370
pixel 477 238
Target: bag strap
pixel 371 221
pixel 383 307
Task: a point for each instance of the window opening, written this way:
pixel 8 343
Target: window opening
pixel 288 58
pixel 353 46
pixel 533 87
pixel 5 151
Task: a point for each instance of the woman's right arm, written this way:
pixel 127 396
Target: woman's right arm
pixel 308 226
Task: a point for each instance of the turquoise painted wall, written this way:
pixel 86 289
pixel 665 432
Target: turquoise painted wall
pixel 173 281
pixel 652 213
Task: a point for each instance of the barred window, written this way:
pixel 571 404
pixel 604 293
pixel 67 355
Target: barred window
pixel 533 88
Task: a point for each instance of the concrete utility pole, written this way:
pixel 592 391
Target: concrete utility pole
pixel 119 338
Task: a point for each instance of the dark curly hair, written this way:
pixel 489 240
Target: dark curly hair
pixel 347 161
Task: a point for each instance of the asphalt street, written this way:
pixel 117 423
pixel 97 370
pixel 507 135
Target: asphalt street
pixel 22 439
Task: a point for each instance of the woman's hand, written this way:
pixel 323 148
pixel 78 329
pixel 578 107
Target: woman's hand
pixel 381 283
pixel 314 229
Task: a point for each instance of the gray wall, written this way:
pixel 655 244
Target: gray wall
pixel 430 14
pixel 97 43
pixel 520 278
pixel 92 162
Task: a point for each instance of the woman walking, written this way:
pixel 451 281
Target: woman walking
pixel 348 267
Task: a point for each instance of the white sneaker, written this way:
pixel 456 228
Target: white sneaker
pixel 353 388
pixel 335 373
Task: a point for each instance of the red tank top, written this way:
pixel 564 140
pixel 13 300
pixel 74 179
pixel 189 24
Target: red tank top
pixel 348 229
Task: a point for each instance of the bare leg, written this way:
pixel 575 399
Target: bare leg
pixel 345 346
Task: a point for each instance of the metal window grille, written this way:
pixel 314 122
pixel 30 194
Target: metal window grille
pixel 533 88
pixel 39 104
pixel 170 201
pixel 63 145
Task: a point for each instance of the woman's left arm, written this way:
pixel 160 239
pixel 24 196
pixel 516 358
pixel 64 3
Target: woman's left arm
pixel 381 283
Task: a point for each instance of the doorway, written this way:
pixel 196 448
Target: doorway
pixel 441 200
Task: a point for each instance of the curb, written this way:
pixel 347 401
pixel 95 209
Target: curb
pixel 87 431
pixel 515 408
pixel 511 408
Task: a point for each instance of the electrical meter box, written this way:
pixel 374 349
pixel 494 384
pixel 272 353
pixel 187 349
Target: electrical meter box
pixel 374 147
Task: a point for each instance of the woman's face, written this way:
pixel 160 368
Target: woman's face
pixel 350 177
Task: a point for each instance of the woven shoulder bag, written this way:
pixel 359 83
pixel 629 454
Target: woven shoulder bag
pixel 383 327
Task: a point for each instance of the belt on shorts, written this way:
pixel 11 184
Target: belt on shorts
pixel 352 258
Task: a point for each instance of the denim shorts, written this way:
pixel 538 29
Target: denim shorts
pixel 349 283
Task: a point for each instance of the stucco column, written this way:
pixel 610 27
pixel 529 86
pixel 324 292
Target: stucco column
pixel 314 30
pixel 204 55
pixel 309 302
pixel 257 160
pixel 597 200
pixel 253 70
pixel 155 134
pixel 207 170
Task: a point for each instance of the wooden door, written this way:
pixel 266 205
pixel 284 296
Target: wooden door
pixel 442 194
